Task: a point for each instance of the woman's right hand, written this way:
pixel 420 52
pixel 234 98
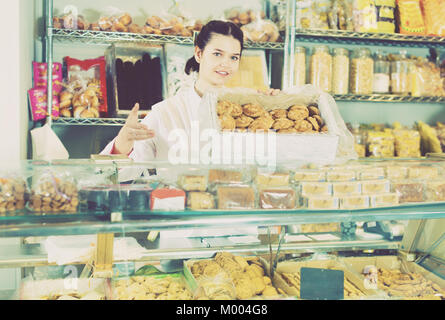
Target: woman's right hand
pixel 132 131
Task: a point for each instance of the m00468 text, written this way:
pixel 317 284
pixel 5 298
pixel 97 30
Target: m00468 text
pixel 242 309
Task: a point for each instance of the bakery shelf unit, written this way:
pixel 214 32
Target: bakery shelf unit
pixel 387 98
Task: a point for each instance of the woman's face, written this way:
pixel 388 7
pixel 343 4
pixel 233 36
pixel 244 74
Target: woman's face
pixel 219 60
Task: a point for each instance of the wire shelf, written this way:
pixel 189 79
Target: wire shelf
pixel 89 121
pixel 366 38
pixel 388 98
pixel 100 37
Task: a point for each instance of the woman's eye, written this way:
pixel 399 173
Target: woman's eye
pixel 216 54
pixel 235 58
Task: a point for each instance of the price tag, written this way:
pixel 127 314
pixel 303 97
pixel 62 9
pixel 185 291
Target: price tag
pixel 321 284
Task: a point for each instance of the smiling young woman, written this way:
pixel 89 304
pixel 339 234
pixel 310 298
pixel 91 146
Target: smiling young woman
pixel 218 49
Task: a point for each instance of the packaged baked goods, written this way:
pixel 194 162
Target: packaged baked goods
pixel 335 175
pixel 193 182
pixel 434 190
pixel 423 172
pixel 161 287
pixel 362 72
pixel 349 188
pixel 38 102
pixel 308 175
pixel 243 15
pixel 53 192
pixel 115 20
pixel 321 10
pixel 13 191
pixel 87 82
pixel 386 22
pixel 340 71
pixel 365 16
pixel 407 143
pixel 408 191
pixel 230 176
pixel 433 13
pixel 321 203
pixel 277 198
pixel 320 68
pixel 169 199
pixel 261 31
pixel 40 75
pixel 272 179
pixel 304 15
pixel 375 186
pixel 354 202
pixel 410 17
pixel 384 200
pixel 235 197
pixel 428 138
pixel 371 173
pixel 315 189
pixel 425 78
pixel 395 172
pixel 200 200
pixel 380 144
pixel 300 66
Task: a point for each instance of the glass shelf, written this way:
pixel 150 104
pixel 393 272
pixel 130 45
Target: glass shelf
pixel 34 254
pixel 387 98
pixel 103 37
pixel 366 38
pixel 89 224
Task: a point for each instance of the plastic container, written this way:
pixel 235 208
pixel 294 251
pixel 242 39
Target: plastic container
pixel 408 191
pixel 200 201
pixel 278 198
pixel 362 72
pixel 12 194
pixel 308 175
pixel 235 197
pixel 381 83
pixel 300 66
pixel 400 77
pixel 384 200
pixel 340 71
pixel 321 203
pixel 308 189
pixel 349 188
pixel 321 68
pixel 372 187
pixel 354 202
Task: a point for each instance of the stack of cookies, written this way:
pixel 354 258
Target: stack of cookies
pixel 254 117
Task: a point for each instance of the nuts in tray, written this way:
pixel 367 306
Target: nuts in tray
pixel 408 285
pixel 293 280
pixel 52 194
pixel 12 194
pixel 254 117
pixel 151 288
pixel 246 274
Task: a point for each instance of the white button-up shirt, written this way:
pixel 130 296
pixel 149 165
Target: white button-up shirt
pixel 177 112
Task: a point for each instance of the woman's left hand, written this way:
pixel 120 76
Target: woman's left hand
pixel 270 92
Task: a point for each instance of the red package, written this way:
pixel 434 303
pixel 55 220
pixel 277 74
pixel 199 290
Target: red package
pixel 40 72
pixel 38 101
pixel 90 72
pixel 167 199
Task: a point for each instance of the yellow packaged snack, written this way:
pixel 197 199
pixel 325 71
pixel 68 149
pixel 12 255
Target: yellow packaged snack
pixel 407 143
pixel 380 144
pixel 410 17
pixel 434 12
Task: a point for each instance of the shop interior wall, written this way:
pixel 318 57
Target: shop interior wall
pixel 354 112
pixel 17 31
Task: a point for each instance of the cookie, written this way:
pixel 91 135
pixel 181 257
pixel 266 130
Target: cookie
pixel 243 121
pixel 303 126
pixel 224 107
pixel 278 113
pixel 282 123
pixel 314 123
pixel 237 110
pixel 253 110
pixel 261 123
pixel 227 122
pixel 313 111
pixel 319 120
pixel 298 113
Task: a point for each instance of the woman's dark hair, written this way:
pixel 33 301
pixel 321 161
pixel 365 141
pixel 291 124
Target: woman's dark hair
pixel 204 36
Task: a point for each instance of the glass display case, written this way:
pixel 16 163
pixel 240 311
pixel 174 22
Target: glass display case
pixel 143 222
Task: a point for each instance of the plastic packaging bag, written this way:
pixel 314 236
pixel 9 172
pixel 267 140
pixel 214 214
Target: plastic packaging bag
pixel 115 20
pixel 38 102
pixel 322 12
pixel 386 16
pixel 365 16
pixel 40 75
pixel 304 15
pixel 278 14
pixel 407 143
pixel 53 192
pixel 434 13
pixel 13 191
pixel 244 15
pixel 410 17
pixel 340 16
pixel 380 144
pixel 261 31
pixel 87 83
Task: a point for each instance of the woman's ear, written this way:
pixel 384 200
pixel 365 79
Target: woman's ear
pixel 198 54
